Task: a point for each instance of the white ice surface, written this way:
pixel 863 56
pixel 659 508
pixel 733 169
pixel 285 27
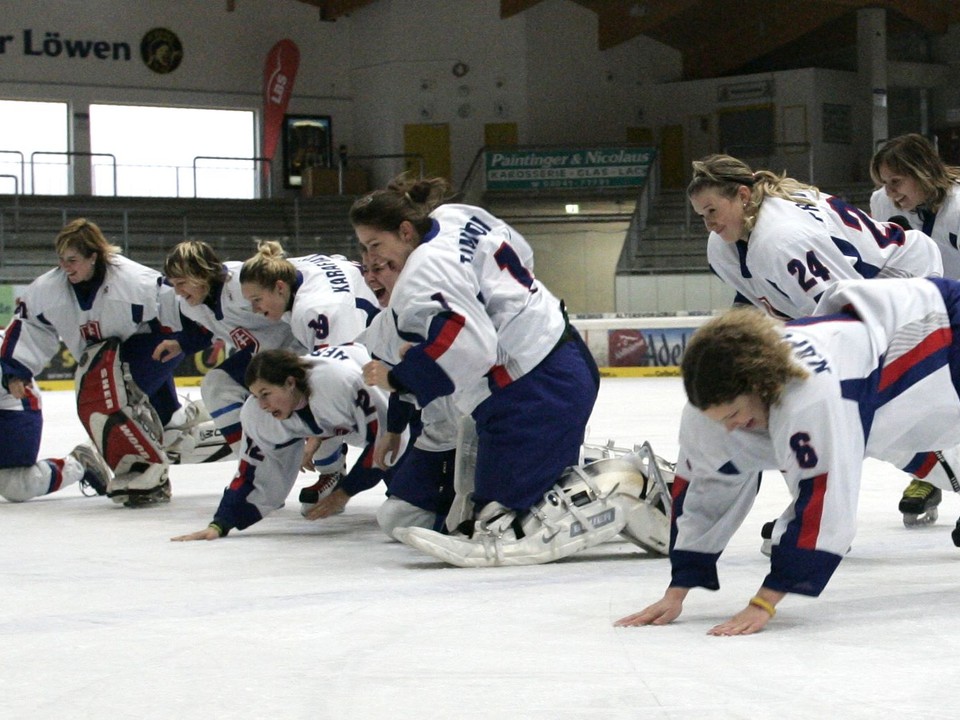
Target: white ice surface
pixel 104 617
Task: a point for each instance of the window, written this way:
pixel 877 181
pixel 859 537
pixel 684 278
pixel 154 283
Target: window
pixel 173 152
pixel 34 140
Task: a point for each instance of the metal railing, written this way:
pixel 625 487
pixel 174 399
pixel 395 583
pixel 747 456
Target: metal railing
pixel 22 164
pixel 29 182
pixel 16 184
pixel 264 163
pixel 71 154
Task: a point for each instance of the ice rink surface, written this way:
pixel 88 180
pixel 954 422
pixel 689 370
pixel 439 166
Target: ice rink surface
pixel 103 617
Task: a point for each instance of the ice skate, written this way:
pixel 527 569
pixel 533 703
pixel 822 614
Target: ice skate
pixel 310 496
pixel 96 472
pixel 142 485
pixel 919 503
pixel 145 498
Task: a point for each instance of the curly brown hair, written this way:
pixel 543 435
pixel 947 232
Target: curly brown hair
pixel 738 353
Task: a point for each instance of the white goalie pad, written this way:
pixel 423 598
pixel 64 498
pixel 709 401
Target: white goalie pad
pixel 592 504
pixel 648 522
pixel 121 422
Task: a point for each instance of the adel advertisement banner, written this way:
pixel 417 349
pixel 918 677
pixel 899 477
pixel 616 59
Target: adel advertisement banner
pixel 647 348
pixel 584 168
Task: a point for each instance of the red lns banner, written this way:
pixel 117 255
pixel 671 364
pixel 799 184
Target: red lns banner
pixel 279 72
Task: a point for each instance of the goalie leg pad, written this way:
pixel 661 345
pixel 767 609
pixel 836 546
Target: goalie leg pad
pixel 395 514
pixel 121 422
pixel 461 510
pixel 648 521
pixel 591 504
pixel 116 414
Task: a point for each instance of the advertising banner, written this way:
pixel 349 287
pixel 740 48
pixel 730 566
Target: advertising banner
pixel 584 168
pixel 279 72
pixel 661 347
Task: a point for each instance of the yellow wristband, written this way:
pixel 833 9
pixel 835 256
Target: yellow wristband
pixel 759 602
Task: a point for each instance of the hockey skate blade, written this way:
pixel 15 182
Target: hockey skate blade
pixel 929 517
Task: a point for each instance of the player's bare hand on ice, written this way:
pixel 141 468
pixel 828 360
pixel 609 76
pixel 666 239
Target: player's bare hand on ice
pixel 753 618
pixel 208 533
pixel 332 504
pixel 665 610
pixel 746 622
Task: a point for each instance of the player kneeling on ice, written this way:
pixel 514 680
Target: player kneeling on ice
pixel 484 330
pixel 293 399
pixel 812 399
pixel 110 313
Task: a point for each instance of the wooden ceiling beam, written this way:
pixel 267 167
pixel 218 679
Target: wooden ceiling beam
pixel 623 20
pixel 509 8
pixel 754 34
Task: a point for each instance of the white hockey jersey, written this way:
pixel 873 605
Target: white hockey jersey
pixel 468 299
pixel 881 385
pixel 131 299
pixel 341 409
pixel 229 318
pixel 943 226
pixel 332 302
pixel 796 251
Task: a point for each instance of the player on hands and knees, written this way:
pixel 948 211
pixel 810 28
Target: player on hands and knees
pixel 483 330
pixel 293 398
pixel 871 375
pixel 322 298
pixel 780 242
